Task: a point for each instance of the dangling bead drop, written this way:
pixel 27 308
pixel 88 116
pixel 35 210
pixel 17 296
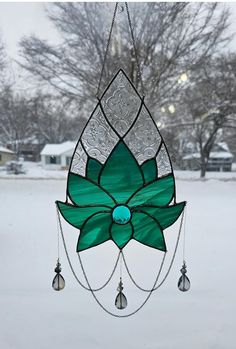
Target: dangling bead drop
pixel 121 301
pixel 183 283
pixel 58 282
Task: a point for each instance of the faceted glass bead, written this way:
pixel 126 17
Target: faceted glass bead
pixel 184 283
pixel 121 301
pixel 121 214
pixel 58 282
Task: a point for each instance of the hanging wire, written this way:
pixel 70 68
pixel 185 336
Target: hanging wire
pixel 184 234
pixel 170 266
pixel 106 51
pixel 58 238
pixel 71 266
pixel 135 49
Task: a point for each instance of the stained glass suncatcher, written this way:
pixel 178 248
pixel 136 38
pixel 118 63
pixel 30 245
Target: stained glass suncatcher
pixel 120 183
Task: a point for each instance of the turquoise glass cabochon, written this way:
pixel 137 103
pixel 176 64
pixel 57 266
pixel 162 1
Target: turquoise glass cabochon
pixel 121 214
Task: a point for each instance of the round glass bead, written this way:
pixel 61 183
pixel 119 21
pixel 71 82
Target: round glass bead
pixel 121 214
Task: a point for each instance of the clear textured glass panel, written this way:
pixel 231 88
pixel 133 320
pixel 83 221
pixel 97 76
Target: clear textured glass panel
pixel 79 160
pixel 58 282
pixel 163 162
pixel 184 283
pixel 121 103
pixel 121 301
pixel 143 139
pixel 98 137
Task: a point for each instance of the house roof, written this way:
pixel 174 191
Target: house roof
pixel 5 150
pixel 58 149
pixel 213 155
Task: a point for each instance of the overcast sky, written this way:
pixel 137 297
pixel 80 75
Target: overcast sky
pixel 19 19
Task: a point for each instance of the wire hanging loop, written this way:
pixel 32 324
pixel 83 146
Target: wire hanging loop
pixel 106 51
pixel 120 10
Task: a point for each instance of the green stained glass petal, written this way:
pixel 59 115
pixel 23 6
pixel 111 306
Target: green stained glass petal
pixel 147 231
pixel 149 169
pixel 158 193
pixel 95 231
pixel 93 169
pixel 121 234
pixel 121 175
pixel 82 192
pixel 165 216
pixel 76 216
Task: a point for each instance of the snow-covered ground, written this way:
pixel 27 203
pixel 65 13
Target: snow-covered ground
pixel 32 315
pixel 34 170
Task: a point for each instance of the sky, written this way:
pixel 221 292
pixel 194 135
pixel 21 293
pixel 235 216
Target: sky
pixel 25 18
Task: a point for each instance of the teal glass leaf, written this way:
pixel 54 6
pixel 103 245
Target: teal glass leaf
pixel 95 231
pixel 93 169
pixel 166 216
pixel 75 215
pixel 149 169
pixel 157 193
pixel 148 231
pixel 121 234
pixel 121 175
pixel 83 192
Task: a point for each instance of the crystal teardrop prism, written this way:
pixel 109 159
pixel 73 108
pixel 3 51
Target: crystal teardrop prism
pixel 121 301
pixel 58 282
pixel 184 282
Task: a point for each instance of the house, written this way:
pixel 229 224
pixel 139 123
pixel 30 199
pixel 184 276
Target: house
pixel 5 155
pixel 57 156
pixel 28 148
pixel 220 159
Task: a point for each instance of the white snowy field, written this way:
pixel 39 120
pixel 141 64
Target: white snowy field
pixel 32 315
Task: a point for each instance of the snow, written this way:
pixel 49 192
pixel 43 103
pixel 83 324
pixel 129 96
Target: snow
pixel 35 170
pixel 34 316
pixel 215 154
pixel 5 150
pixel 58 149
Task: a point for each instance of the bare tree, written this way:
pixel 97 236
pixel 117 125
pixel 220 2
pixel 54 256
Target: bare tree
pixel 170 38
pixel 53 122
pixel 15 120
pixel 209 105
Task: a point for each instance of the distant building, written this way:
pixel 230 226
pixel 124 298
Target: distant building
pixel 220 159
pixel 57 156
pixel 5 155
pixel 29 148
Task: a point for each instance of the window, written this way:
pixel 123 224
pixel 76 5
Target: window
pixel 52 159
pixel 68 160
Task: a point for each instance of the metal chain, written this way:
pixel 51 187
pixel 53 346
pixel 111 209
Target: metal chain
pixel 106 51
pixel 136 310
pixel 171 263
pixel 72 269
pixel 135 49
